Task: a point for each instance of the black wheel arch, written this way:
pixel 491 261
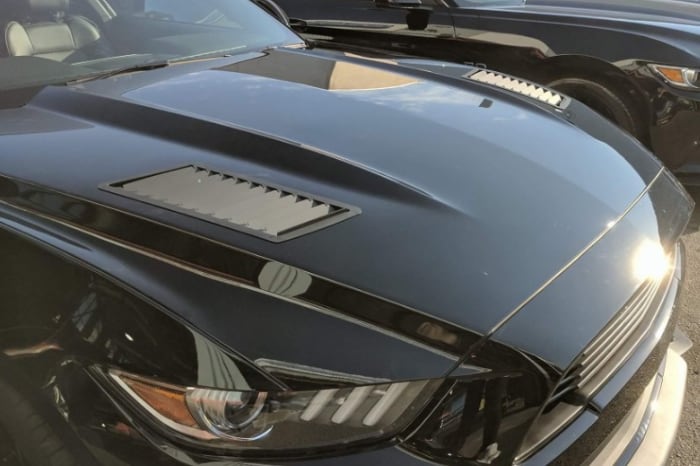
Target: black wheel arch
pixel 621 83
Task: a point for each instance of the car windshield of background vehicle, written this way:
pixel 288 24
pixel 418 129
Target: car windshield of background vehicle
pixel 58 41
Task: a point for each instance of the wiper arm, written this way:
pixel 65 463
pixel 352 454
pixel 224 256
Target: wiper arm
pixel 151 65
pixel 297 24
pixel 207 55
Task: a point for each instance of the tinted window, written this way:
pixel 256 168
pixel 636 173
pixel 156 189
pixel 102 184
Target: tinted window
pixel 49 46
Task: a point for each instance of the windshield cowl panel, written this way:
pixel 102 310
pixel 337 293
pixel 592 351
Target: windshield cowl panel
pixel 92 40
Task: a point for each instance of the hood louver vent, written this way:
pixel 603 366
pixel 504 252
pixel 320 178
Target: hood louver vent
pixel 240 203
pixel 525 88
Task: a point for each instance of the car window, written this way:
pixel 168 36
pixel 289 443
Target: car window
pixel 187 11
pixel 181 10
pixel 117 34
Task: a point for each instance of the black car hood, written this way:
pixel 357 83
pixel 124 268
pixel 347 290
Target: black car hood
pixel 641 10
pixel 470 198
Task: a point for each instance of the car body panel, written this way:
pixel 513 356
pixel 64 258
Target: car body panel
pixel 390 191
pixel 437 275
pixel 619 251
pixel 217 309
pixel 609 42
pixel 589 29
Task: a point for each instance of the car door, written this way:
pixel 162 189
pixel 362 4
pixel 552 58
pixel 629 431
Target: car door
pixel 482 36
pixel 416 27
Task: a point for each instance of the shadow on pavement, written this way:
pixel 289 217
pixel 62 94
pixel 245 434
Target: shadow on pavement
pixel 694 224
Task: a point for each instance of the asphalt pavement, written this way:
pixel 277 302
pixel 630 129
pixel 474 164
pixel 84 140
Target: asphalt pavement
pixel 687 448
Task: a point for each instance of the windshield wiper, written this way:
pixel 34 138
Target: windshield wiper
pixel 151 65
pixel 221 53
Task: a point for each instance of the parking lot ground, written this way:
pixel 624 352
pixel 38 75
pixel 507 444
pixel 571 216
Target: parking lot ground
pixel 687 449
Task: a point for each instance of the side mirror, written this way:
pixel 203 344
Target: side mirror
pixel 274 9
pixel 417 19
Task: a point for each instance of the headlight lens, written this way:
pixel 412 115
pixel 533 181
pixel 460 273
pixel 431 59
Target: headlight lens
pixel 461 418
pixel 480 421
pixel 684 78
pixel 248 422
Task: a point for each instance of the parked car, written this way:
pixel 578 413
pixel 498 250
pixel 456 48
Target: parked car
pixel 636 62
pixel 220 246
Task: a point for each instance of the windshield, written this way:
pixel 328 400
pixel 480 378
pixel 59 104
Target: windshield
pixel 58 41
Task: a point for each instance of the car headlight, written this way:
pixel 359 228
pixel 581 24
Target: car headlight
pixel 462 417
pixel 241 423
pixel 677 76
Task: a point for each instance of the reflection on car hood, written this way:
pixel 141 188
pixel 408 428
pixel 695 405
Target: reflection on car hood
pixel 470 198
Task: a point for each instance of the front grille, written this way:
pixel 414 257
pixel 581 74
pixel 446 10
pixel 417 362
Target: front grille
pixel 620 405
pixel 597 363
pixel 611 348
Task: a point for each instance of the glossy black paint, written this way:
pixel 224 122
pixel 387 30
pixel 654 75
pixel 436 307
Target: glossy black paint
pixel 608 42
pixel 443 273
pixel 584 309
pixel 306 153
pixel 235 267
pixel 55 343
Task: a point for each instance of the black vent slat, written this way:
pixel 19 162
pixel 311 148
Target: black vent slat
pixel 567 384
pixel 610 348
pixel 599 361
pixel 619 327
pixel 234 201
pixel 555 398
pixel 598 344
pixel 592 365
pixel 568 379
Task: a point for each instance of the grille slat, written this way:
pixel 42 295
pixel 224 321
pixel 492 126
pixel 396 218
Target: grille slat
pixel 598 344
pixel 560 394
pixel 599 361
pixel 237 202
pixel 566 385
pixel 614 331
pixel 592 365
pixel 612 346
pixel 571 376
pixel 595 365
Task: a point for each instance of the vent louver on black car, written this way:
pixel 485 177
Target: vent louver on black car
pixel 526 88
pixel 234 201
pixel 608 351
pixel 610 348
pixel 598 362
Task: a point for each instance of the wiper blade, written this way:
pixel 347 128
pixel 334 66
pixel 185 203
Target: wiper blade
pixel 228 52
pixel 221 53
pixel 151 65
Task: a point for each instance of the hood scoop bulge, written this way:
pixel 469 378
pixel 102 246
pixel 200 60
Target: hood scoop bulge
pixel 233 201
